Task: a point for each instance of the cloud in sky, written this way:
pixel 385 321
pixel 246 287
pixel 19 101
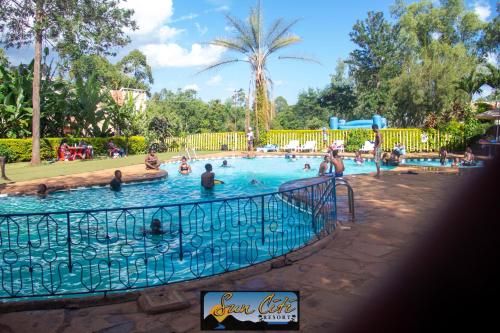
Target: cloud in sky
pixel 190 16
pixel 173 55
pixel 154 36
pixel 151 16
pixel 214 80
pixel 218 9
pixel 165 33
pixel 191 87
pixel 482 9
pixel 201 30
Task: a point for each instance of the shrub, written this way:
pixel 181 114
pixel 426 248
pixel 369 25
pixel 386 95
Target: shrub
pixel 356 138
pixel 5 152
pixel 19 150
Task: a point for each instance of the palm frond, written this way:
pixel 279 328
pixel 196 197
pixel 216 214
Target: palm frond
pixel 280 32
pixel 275 26
pixel 232 44
pixel 301 58
pixel 244 30
pixel 283 42
pixel 220 63
pixel 255 23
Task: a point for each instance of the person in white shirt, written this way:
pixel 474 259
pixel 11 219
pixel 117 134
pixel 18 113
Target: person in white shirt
pixel 250 139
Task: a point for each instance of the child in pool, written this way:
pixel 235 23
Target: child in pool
pixel 358 159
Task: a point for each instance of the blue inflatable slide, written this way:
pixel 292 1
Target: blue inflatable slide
pixel 336 123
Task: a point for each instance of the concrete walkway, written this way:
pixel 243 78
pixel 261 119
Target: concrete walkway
pixel 333 275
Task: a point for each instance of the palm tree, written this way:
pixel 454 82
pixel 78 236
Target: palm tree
pixel 471 84
pixel 257 45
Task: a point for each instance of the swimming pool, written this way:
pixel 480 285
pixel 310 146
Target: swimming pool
pixel 269 172
pixel 434 162
pixel 58 249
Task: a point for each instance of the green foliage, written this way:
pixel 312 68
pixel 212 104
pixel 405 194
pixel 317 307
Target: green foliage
pixel 356 138
pixel 5 152
pixel 137 70
pixel 19 150
pixel 132 71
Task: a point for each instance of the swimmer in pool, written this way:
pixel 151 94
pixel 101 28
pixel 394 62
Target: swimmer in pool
pixel 324 165
pixel 224 164
pixel 358 159
pixel 208 180
pixel 184 168
pixel 307 167
pixel 338 164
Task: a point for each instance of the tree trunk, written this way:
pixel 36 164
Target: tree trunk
pixel 2 168
pixel 35 148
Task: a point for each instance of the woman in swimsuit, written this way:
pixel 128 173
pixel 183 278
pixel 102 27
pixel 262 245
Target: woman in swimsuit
pixel 184 168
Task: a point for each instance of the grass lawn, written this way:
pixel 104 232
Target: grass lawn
pixel 18 172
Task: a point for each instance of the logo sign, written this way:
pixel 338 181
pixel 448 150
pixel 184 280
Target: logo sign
pixel 249 310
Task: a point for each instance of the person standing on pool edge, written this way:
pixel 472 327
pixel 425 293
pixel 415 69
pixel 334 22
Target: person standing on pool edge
pixel 250 139
pixel 377 150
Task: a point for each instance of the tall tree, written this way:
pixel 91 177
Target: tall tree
pixel 257 45
pixel 135 66
pixel 374 62
pixel 71 26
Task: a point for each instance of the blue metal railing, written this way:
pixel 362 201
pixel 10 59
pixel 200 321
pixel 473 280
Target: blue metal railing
pixel 95 251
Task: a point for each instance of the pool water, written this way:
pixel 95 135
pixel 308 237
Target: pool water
pixel 269 172
pixel 433 162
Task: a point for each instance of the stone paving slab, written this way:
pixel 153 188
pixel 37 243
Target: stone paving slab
pixel 392 213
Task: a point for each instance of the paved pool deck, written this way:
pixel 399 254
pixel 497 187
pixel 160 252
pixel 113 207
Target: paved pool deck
pixel 333 275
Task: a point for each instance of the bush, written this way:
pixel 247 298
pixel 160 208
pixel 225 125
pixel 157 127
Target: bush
pixel 5 152
pixel 356 138
pixel 19 150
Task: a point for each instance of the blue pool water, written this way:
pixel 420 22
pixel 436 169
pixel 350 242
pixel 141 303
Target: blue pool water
pixel 433 162
pixel 269 172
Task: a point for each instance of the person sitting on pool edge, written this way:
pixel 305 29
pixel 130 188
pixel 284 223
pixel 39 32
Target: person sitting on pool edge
pixel 324 165
pixel 184 168
pixel 116 183
pixel 337 163
pixel 151 161
pixel 208 180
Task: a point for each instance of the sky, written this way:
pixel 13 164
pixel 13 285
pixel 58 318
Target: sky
pixel 174 36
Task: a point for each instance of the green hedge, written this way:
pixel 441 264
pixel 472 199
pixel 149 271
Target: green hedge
pixel 19 150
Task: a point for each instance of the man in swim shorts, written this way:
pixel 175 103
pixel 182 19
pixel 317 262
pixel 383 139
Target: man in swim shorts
pixel 338 164
pixel 377 151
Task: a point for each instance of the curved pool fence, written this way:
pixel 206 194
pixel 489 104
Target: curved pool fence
pixel 97 251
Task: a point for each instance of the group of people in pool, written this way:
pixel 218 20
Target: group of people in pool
pixel 332 161
pixel 468 160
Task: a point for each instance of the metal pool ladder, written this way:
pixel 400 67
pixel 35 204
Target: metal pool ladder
pixel 350 194
pixel 194 153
